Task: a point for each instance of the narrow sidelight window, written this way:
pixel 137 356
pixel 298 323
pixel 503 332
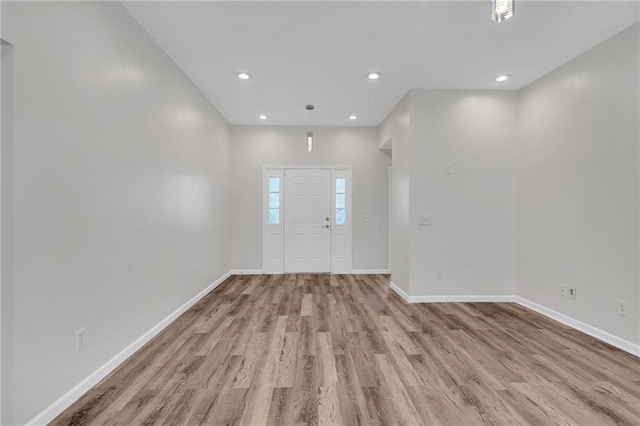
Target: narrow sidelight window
pixel 341 201
pixel 274 200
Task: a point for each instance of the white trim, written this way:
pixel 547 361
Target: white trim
pixel 606 337
pixel 462 299
pixel 451 299
pixel 65 401
pixel 399 291
pixel 306 166
pixel 389 207
pixel 353 272
pixel 246 272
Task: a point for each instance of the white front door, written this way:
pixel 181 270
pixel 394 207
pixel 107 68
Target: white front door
pixel 307 221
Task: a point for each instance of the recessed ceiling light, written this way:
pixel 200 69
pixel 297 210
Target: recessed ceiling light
pixel 262 117
pixel 374 75
pixel 502 77
pixel 353 117
pixel 243 75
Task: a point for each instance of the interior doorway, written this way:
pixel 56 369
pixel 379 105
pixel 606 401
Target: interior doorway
pixel 307 219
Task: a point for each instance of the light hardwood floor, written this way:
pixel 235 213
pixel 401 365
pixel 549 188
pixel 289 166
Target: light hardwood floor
pixel 344 349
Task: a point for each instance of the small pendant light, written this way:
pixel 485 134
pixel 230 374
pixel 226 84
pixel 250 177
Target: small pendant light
pixel 309 107
pixel 501 10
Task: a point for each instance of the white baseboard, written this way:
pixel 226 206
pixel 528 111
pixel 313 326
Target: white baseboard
pixel 606 337
pixel 451 299
pixel 472 298
pixel 370 271
pixel 65 401
pixel 246 272
pixel 399 291
pixel 353 272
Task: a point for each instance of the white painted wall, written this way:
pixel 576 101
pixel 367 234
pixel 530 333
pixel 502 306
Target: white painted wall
pixel 121 190
pixel 255 146
pixel 394 133
pixel 578 187
pixel 7 317
pixel 472 238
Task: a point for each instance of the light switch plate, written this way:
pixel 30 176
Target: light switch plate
pixel 448 169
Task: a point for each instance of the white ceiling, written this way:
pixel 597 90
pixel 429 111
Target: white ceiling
pixel 319 52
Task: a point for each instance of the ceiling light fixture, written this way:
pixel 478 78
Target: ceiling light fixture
pixel 501 10
pixel 243 75
pixel 262 117
pixel 309 107
pixel 502 77
pixel 374 75
pixel 353 117
pixel 309 140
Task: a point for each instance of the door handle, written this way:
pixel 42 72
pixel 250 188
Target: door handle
pixel 326 226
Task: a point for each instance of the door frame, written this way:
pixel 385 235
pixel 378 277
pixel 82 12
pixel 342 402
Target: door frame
pixel 274 264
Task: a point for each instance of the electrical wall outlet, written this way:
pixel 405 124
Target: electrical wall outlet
pixel 424 220
pixel 622 307
pixel 81 338
pixel 572 292
pixel 365 218
pixel 440 274
pixel 563 290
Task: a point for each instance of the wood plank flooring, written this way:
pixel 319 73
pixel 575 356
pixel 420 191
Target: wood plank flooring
pixel 345 350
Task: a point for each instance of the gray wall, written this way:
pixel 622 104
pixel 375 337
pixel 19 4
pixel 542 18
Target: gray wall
pixel 255 146
pixel 578 187
pixel 7 329
pixel 121 200
pixel 472 238
pixel 396 129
